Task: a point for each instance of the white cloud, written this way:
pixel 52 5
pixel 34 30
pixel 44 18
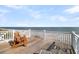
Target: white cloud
pixel 63 19
pixel 3 11
pixel 77 18
pixel 53 17
pixel 35 14
pixel 58 18
pixel 2 19
pixel 74 9
pixel 14 6
pixel 18 23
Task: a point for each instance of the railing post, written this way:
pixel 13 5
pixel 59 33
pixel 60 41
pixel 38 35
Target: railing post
pixel 30 33
pixel 44 34
pixel 13 33
pixel 4 36
pixel 76 37
pixel 72 38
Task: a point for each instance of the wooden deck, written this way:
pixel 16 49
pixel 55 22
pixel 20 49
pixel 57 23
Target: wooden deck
pixel 34 46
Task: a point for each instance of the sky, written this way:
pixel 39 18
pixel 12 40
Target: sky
pixel 39 15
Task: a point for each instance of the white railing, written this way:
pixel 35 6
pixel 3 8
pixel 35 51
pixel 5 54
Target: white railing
pixel 75 42
pixel 62 37
pixel 6 35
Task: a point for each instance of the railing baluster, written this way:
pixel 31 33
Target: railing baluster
pixel 62 40
pixel 67 40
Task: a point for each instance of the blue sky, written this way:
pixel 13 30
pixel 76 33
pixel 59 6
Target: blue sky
pixel 39 15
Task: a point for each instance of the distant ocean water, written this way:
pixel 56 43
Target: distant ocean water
pixel 68 29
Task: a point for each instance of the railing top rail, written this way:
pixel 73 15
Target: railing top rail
pixel 75 34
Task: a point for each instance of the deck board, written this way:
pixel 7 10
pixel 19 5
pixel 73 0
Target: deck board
pixel 32 47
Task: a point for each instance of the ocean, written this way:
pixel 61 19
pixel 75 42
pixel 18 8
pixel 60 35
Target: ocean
pixel 67 29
